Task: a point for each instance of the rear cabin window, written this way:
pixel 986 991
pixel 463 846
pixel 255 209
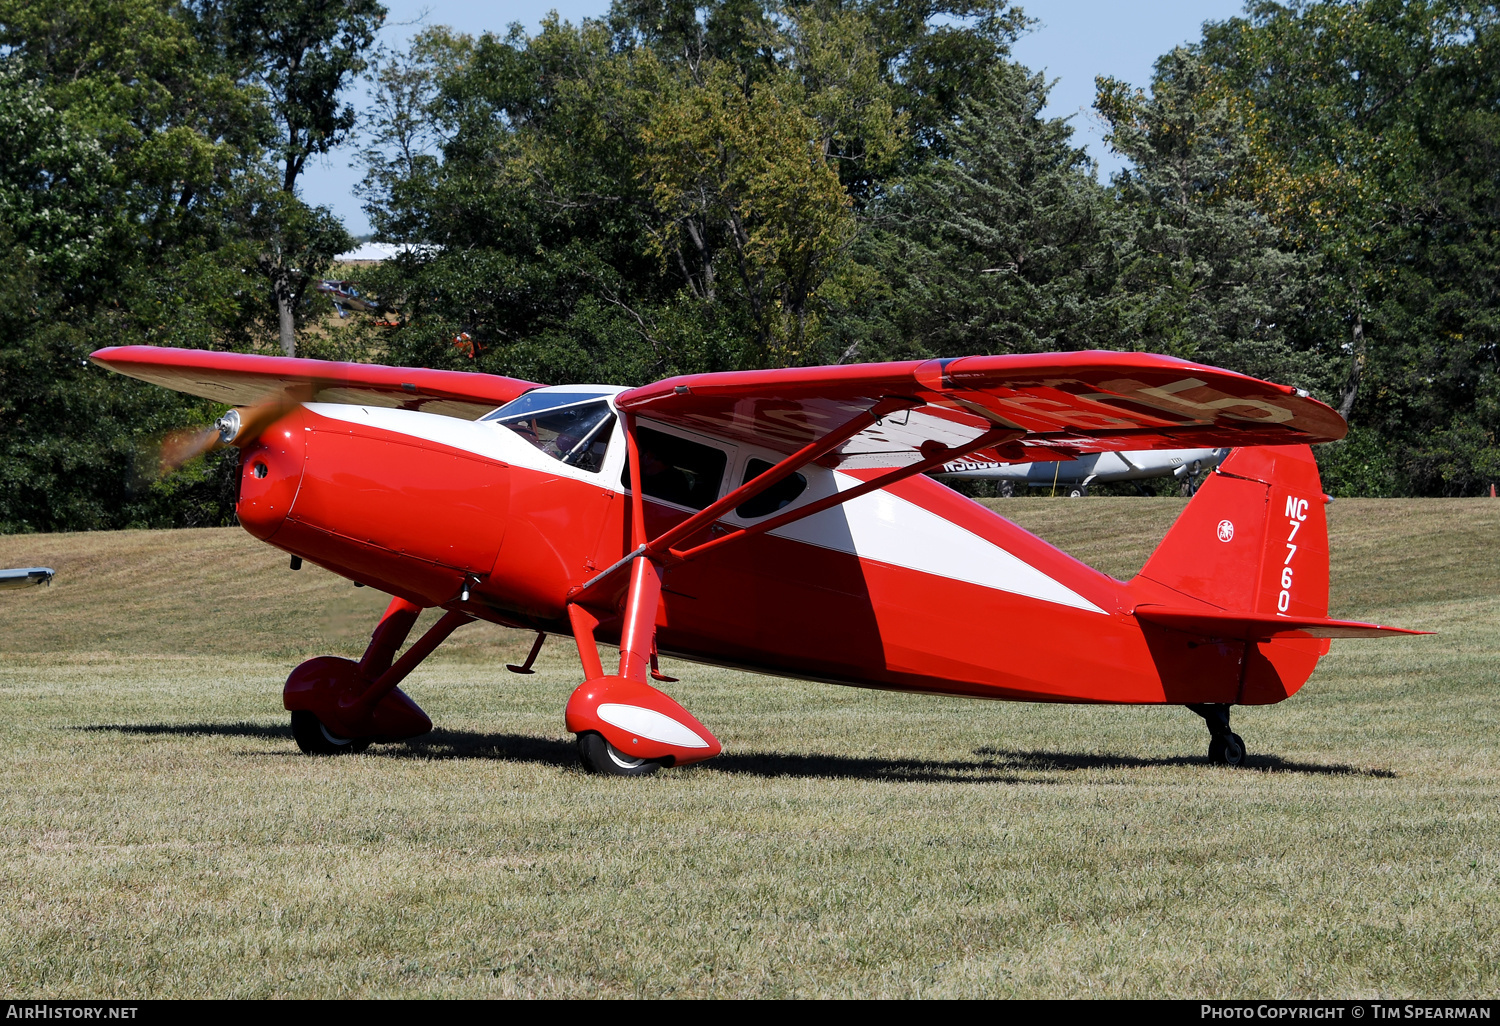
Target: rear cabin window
pixel 678 471
pixel 578 435
pixel 779 495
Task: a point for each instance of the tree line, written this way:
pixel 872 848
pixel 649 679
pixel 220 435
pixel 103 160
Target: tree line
pixel 1312 195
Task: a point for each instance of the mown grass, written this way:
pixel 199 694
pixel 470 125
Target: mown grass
pixel 160 836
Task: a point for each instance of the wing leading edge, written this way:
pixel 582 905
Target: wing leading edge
pixel 243 379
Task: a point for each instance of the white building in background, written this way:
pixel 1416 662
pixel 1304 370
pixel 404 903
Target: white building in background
pixel 374 252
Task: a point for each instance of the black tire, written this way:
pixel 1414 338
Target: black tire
pixel 1076 492
pixel 1007 490
pixel 314 739
pixel 1226 750
pixel 599 756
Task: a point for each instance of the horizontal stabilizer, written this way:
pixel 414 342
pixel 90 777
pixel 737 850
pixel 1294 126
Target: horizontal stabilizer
pixel 1261 626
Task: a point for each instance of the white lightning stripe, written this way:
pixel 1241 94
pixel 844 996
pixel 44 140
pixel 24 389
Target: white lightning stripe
pixel 888 529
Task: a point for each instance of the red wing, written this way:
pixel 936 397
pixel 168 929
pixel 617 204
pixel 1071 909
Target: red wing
pixel 241 379
pixel 1066 403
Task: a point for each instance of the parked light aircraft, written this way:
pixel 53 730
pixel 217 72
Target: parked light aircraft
pixel 776 521
pixel 1073 477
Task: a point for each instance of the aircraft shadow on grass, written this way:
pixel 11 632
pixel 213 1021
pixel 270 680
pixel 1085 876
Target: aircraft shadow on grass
pixel 1263 763
pixel 993 765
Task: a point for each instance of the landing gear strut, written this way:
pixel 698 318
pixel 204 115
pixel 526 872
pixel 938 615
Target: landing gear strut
pixel 1225 748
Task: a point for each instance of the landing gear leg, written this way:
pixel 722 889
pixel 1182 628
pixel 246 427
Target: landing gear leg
pixel 626 727
pixel 1225 748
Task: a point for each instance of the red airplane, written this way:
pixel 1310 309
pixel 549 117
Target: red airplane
pixel 776 521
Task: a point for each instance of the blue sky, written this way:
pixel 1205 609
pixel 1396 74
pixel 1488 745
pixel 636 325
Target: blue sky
pixel 1074 41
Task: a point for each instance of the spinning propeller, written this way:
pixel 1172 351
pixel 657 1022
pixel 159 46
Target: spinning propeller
pixel 239 426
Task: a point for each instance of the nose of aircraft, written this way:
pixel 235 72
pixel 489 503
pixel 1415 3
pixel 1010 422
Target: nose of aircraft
pixel 271 467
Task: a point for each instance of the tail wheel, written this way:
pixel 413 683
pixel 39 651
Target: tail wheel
pixel 314 738
pixel 1226 750
pixel 599 756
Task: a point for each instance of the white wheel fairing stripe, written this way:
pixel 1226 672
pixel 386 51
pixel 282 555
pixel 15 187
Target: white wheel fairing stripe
pixel 649 724
pixel 878 526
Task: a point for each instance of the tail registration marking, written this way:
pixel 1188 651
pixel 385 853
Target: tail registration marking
pixel 1296 514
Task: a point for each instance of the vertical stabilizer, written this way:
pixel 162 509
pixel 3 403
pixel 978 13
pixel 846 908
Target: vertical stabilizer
pixel 1253 540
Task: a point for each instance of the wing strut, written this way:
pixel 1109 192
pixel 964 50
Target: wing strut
pixel 661 548
pixel 933 454
pixel 796 461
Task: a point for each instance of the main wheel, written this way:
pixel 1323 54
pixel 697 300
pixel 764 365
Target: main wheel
pixel 1007 490
pixel 314 739
pixel 599 756
pixel 1226 750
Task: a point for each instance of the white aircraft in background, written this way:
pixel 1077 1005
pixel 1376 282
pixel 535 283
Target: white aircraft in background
pixel 25 577
pixel 1073 477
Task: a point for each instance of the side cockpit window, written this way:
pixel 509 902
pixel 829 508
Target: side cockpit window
pixel 678 471
pixel 578 434
pixel 781 494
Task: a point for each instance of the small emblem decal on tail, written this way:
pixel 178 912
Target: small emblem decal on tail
pixel 1226 530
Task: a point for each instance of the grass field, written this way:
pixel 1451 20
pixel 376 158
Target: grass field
pixel 160 836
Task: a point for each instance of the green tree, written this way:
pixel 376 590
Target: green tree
pixel 748 202
pixel 303 54
pixel 678 187
pixel 996 247
pixel 1201 272
pixel 120 188
pixel 1371 130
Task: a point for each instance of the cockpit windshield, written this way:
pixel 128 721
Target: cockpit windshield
pixel 544 399
pixel 577 433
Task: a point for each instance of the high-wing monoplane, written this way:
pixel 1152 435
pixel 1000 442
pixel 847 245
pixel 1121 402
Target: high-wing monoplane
pixel 776 521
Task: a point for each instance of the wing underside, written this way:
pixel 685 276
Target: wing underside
pixel 1046 407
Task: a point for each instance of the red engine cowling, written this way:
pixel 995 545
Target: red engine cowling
pixel 384 507
pixel 271 474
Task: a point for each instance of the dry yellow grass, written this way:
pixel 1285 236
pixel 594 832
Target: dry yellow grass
pixel 160 836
